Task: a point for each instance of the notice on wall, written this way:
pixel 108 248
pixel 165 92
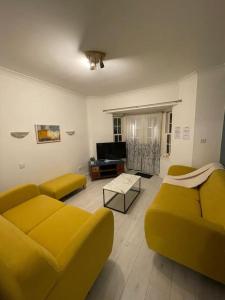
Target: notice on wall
pixel 186 133
pixel 177 133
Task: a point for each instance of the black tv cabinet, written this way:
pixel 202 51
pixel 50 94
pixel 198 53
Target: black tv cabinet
pixel 105 168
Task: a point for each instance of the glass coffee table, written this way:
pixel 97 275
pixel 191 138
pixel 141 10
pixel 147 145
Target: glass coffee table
pixel 125 189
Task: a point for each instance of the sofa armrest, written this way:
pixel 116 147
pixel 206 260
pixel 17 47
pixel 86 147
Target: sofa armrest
pixel 189 240
pixel 177 170
pixel 83 258
pixel 17 195
pixel 98 230
pixel 27 270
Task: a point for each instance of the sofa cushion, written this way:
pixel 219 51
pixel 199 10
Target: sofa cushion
pixel 17 195
pixel 27 270
pixel 32 212
pixel 178 200
pixel 212 197
pixel 63 185
pixel 56 232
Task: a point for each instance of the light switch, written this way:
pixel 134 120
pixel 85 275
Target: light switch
pixel 203 141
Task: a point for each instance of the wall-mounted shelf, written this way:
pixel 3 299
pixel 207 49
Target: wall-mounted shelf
pixel 19 134
pixel 70 132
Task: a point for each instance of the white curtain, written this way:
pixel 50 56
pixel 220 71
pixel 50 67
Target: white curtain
pixel 143 135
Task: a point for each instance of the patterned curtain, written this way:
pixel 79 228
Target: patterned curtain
pixel 143 133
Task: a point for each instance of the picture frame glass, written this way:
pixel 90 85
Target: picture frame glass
pixel 47 133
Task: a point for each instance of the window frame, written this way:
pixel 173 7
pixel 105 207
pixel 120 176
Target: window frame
pixel 117 129
pixel 168 131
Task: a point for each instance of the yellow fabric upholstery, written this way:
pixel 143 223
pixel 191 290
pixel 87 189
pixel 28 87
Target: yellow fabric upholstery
pixel 30 269
pixel 174 226
pixel 92 246
pixel 177 170
pixel 29 214
pixel 63 185
pixel 213 198
pixel 15 196
pixel 53 253
pixel 181 200
pixel 52 235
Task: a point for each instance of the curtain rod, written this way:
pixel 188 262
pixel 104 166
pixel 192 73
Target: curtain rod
pixel 143 106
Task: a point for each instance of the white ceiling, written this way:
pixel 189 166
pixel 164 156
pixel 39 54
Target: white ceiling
pixel 147 42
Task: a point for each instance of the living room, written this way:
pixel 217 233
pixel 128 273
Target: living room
pixel 153 62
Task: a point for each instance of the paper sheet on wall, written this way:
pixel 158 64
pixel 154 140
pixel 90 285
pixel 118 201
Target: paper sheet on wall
pixel 177 133
pixel 186 133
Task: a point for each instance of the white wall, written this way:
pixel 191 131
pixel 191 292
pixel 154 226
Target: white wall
pixel 184 115
pixel 100 123
pixel 153 94
pixel 209 115
pixel 25 102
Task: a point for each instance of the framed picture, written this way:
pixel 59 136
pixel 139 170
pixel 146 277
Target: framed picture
pixel 47 133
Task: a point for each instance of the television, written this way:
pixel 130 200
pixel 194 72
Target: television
pixel 111 151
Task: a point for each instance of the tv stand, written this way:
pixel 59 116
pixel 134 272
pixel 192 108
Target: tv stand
pixel 105 168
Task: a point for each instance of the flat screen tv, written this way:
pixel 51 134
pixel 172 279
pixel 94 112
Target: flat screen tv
pixel 111 150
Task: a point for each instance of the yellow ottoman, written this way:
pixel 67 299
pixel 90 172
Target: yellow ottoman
pixel 63 185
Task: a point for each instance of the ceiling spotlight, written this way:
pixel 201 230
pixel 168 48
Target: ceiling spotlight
pixel 95 59
pixel 93 65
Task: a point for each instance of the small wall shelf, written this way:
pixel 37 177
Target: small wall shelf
pixel 70 132
pixel 19 134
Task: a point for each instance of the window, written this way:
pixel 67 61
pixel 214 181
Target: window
pixel 168 131
pixel 117 129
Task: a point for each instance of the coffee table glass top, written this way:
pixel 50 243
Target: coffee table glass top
pixel 122 184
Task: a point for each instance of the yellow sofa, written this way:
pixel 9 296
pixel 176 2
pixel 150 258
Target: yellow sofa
pixel 49 250
pixel 188 225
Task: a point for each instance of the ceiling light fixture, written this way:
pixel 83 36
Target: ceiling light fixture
pixel 95 59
